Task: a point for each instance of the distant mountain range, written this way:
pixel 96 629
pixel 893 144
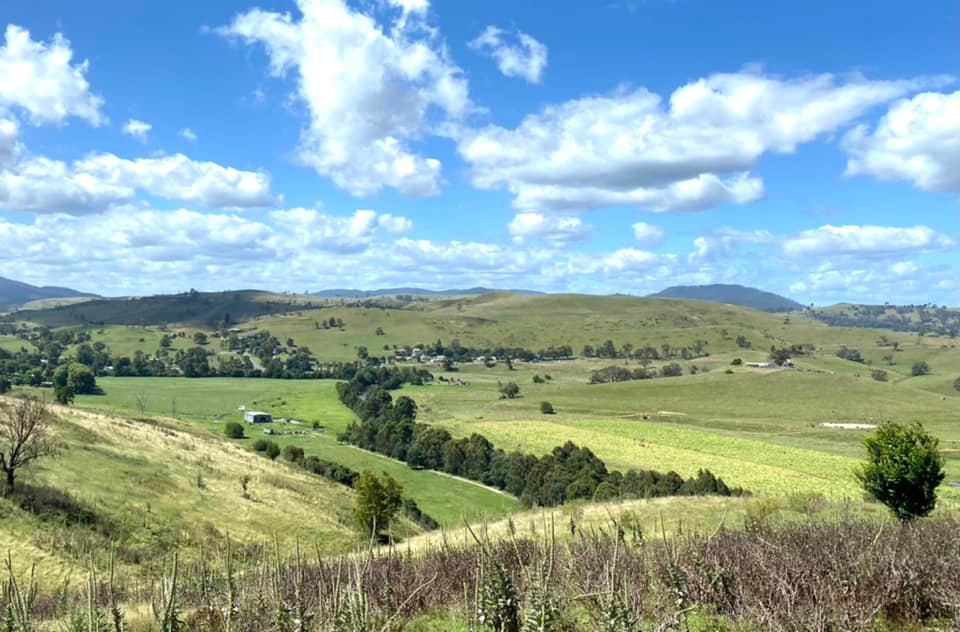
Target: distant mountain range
pixel 732 295
pixel 17 293
pixel 393 291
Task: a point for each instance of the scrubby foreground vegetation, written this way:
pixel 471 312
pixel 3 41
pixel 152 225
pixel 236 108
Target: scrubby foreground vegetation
pixel 814 576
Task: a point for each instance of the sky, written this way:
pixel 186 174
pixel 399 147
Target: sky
pixel 811 149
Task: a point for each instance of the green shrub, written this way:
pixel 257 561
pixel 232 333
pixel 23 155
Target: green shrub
pixel 293 454
pixel 920 368
pixel 903 469
pixel 261 445
pixel 273 450
pixel 546 408
pixel 233 430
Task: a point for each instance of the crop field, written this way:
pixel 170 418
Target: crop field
pixel 210 402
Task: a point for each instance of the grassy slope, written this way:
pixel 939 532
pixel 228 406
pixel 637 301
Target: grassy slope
pixel 204 307
pixel 756 428
pixel 209 402
pixel 140 480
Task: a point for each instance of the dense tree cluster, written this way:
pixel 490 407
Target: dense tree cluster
pixel 921 319
pixel 853 355
pixel 568 473
pixel 459 353
pixel 647 353
pixel 622 374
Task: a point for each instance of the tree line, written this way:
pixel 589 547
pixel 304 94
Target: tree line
pixel 569 472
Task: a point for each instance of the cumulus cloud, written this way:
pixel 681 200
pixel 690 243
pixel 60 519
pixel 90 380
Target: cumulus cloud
pixel 865 241
pixel 558 230
pixel 312 229
pixel 648 235
pixel 188 134
pixel 692 152
pixel 137 129
pixel 525 58
pixel 9 141
pixel 100 181
pixel 186 248
pixel 370 92
pixel 917 140
pixel 41 79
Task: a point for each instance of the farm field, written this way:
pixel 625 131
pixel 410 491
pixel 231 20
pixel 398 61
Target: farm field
pixel 760 430
pixel 210 402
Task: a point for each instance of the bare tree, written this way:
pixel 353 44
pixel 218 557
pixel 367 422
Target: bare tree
pixel 24 436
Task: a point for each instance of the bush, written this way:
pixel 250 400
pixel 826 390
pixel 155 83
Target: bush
pixel 546 408
pixel 920 368
pixel 6 386
pixel 737 362
pixel 956 384
pixel 260 445
pixel 879 375
pixel 510 390
pixel 273 450
pixel 233 430
pixel 671 370
pixel 903 469
pixel 293 454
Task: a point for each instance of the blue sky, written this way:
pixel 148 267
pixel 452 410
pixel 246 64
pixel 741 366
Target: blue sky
pixel 807 148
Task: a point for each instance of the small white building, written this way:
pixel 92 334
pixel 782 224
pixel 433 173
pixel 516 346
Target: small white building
pixel 257 417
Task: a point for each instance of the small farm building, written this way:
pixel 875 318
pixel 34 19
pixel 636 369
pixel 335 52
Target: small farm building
pixel 256 417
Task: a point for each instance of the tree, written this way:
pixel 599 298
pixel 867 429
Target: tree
pixel 64 395
pixel 879 375
pixel 5 385
pixel 920 368
pixel 377 501
pixel 903 469
pixel 546 408
pixel 233 430
pixel 24 436
pixel 510 390
pixel 200 338
pixel 80 378
pixel 956 384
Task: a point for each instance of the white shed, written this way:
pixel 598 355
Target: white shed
pixel 257 417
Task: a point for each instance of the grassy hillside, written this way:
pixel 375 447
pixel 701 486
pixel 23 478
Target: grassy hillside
pixel 207 308
pixel 207 403
pixel 145 487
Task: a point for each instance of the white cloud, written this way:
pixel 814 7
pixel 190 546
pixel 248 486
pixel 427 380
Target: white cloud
pixel 691 153
pixel 188 134
pixel 918 140
pixel 395 223
pixel 558 230
pixel 310 228
pixel 100 181
pixel 40 79
pixel 527 58
pixel 370 92
pixel 137 129
pixel 648 235
pixel 10 146
pixel 864 241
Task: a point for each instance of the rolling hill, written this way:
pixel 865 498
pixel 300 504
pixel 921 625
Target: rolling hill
pixel 13 293
pixel 416 291
pixel 195 308
pixel 732 295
